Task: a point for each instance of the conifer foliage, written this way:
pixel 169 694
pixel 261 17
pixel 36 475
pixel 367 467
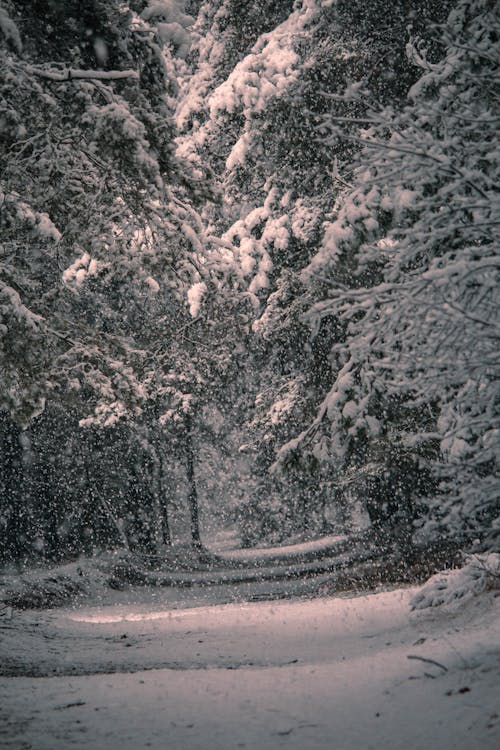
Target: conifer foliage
pixel 419 230
pixel 89 220
pixel 273 222
pixel 100 240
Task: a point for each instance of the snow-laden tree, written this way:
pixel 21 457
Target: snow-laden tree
pixel 89 215
pixel 418 371
pixel 256 114
pixel 103 258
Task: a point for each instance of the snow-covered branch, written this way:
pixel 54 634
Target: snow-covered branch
pixel 67 74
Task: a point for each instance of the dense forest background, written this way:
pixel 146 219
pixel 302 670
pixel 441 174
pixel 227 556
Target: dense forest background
pixel 248 272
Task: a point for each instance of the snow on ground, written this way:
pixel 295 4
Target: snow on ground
pixel 47 586
pixel 355 673
pixel 290 550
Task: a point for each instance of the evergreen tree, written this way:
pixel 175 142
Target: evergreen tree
pixel 418 375
pixel 266 131
pixel 101 244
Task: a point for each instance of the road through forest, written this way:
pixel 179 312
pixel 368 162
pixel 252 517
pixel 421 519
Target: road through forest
pixel 177 670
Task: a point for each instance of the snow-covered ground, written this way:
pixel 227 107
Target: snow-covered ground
pixel 350 673
pixel 224 546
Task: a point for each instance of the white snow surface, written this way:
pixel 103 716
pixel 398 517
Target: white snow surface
pixel 358 673
pixel 290 550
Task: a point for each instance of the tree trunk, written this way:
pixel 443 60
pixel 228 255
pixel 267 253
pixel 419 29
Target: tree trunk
pixel 14 536
pixel 167 537
pixel 157 509
pixel 193 494
pixel 161 499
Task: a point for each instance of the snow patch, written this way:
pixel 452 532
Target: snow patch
pixel 195 296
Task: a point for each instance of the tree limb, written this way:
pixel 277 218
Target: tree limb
pixel 68 74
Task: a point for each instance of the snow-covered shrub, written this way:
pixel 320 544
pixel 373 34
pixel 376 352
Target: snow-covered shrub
pixel 480 573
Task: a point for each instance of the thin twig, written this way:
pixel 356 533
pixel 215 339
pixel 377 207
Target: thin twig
pixel 428 661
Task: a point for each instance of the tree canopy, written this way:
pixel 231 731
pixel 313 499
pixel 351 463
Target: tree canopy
pixel 270 226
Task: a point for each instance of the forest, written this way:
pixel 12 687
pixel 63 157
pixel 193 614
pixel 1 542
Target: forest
pixel 248 274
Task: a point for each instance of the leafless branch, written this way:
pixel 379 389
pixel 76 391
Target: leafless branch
pixel 428 661
pixel 68 74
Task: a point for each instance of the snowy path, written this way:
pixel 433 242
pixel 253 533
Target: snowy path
pixel 324 673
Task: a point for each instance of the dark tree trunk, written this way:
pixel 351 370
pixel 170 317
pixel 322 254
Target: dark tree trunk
pixel 13 531
pixel 167 537
pixel 193 494
pixel 88 515
pixel 46 499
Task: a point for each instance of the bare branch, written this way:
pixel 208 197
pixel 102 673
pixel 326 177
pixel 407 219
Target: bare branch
pixel 68 74
pixel 428 661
